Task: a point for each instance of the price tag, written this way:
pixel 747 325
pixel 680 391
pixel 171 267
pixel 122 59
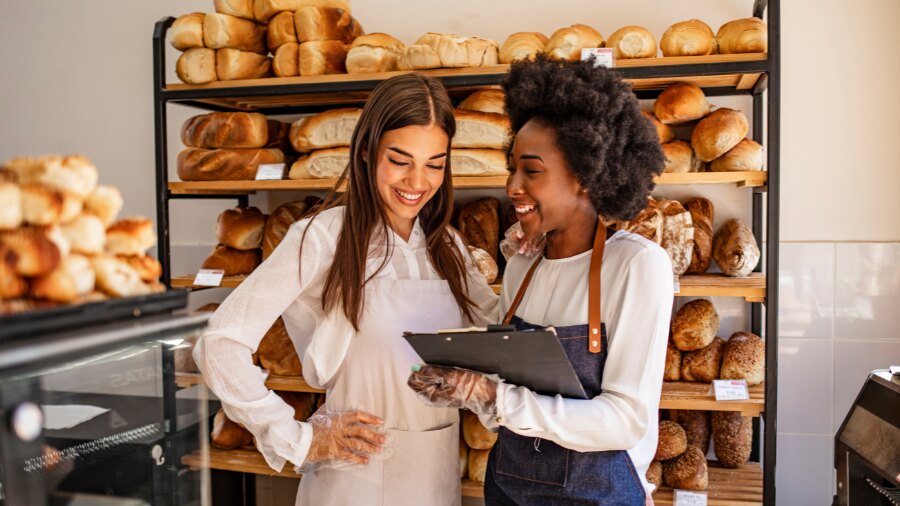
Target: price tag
pixel 689 498
pixel 209 277
pixel 270 171
pixel 604 55
pixel 731 390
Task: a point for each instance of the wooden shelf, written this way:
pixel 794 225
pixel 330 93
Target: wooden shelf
pixel 699 396
pixel 273 382
pixel 239 460
pixel 187 281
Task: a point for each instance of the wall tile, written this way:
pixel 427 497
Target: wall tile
pixel 867 295
pixel 806 290
pixel 805 471
pixel 805 385
pixel 853 360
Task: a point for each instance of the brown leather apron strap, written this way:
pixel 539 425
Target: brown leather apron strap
pixel 521 293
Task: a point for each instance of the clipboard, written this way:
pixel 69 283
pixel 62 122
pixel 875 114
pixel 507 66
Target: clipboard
pixel 530 358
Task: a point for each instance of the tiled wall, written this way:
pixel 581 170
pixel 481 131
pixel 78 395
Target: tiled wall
pixel 839 318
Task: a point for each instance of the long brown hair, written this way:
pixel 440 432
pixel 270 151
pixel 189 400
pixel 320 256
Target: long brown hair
pixel 406 100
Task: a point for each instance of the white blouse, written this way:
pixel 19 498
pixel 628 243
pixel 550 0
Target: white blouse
pixel 290 286
pixel 636 306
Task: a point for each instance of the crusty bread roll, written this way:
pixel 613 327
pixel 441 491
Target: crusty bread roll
pixel 735 250
pixel 478 162
pixel 54 233
pixel 672 441
pixel 718 133
pixel 12 285
pixel 321 164
pixel 286 62
pixel 227 434
pixel 197 66
pixel 116 278
pixel 632 42
pixel 475 129
pixel 463 459
pixel 688 38
pixel 703 365
pixel 41 204
pixel 493 101
pixel 680 103
pixel 479 223
pixel 663 131
pixel 695 325
pixel 10 205
pixel 239 8
pixel 680 157
pixel 263 10
pixel 234 64
pixel 654 474
pixel 241 228
pixel 326 23
pixel 86 234
pixel 745 358
pixel 329 129
pixel 278 223
pixel 105 202
pixel 476 436
pixel 481 52
pixel 677 234
pixel 696 425
pixel 233 261
pixel 748 155
pixel 733 438
pixel 672 372
pixel 323 57
pixel 277 353
pixel 375 52
pixel 688 471
pixel 567 43
pixel 281 31
pixel 485 264
pixel 74 174
pixel 750 35
pixel 449 48
pixel 33 253
pixel 224 31
pixel 521 46
pixel 225 130
pixel 73 277
pixel 224 164
pixel 648 223
pixel 187 31
pixel 702 213
pixel 130 236
pixel 419 57
pixel 147 267
pixel 478 460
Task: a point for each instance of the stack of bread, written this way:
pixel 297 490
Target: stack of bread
pixel 482 132
pixel 323 140
pixel 474 447
pixel 695 38
pixel 312 40
pixel 437 50
pixel 678 463
pixel 60 241
pixel 239 232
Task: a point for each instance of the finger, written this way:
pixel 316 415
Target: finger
pixel 364 433
pixel 361 417
pixel 362 447
pixel 353 458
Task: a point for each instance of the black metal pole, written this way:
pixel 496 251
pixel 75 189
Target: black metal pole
pixel 756 319
pixel 162 162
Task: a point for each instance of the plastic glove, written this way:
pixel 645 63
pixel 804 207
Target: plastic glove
pixel 514 242
pixel 452 387
pixel 343 440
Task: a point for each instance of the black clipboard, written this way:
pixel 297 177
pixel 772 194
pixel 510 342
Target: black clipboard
pixel 530 358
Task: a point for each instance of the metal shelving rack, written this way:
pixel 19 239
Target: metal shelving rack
pixel 720 75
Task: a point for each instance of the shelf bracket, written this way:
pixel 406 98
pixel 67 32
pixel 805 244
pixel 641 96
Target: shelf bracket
pixel 759 8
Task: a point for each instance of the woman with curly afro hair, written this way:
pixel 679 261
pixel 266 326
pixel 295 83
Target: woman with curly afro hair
pixel 581 154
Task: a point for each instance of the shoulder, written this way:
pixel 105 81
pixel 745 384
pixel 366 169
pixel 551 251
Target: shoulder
pixel 630 253
pixel 322 228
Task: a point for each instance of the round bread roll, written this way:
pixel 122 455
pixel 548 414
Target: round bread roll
pixel 688 38
pixel 11 284
pixel 672 371
pixel 375 52
pixel 718 133
pixel 241 228
pixel 655 474
pixel 680 158
pixel 478 460
pixel 672 441
pixel 278 223
pixel 33 253
pixel 695 325
pixel 735 250
pixel 86 234
pixel 748 155
pixel 750 35
pixel 277 353
pixel 476 436
pixel 745 358
pixel 10 205
pixel 419 57
pixel 233 261
pixel 74 173
pixel 463 459
pixel 696 427
pixel 485 263
pixel 286 62
pixel 73 278
pixel 567 43
pixel 130 236
pixel 702 211
pixel 733 438
pixel 664 131
pixel 147 267
pixel 105 202
pixel 227 434
pixel 703 365
pixel 521 46
pixel 197 65
pixel 54 233
pixel 41 204
pixel 680 103
pixel 116 278
pixel 688 471
pixel 8 175
pixel 493 101
pixel 632 42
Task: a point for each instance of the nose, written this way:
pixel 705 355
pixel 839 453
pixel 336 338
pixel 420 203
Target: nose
pixel 417 179
pixel 514 184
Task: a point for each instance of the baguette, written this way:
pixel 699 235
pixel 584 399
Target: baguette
pixel 521 46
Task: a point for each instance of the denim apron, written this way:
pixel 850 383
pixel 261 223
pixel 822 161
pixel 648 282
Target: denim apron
pixel 532 471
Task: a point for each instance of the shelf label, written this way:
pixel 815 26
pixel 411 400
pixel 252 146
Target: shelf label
pixel 689 498
pixel 731 390
pixel 604 55
pixel 209 277
pixel 270 172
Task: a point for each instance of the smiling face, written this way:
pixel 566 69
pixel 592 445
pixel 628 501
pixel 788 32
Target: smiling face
pixel 410 168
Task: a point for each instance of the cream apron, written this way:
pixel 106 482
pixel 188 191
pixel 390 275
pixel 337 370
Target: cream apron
pixel 424 466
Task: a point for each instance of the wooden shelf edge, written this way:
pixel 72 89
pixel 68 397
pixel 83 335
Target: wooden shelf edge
pixel 699 397
pixel 273 382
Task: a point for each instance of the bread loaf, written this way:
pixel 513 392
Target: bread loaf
pixel 332 128
pixel 54 233
pixel 12 285
pixel 224 164
pixel 419 57
pixel 197 66
pixel 672 372
pixel 476 436
pixel 717 133
pixel 277 353
pixel 241 228
pixel 567 43
pixel 688 38
pixel 493 101
pixel 632 42
pixel 72 278
pixel 187 31
pixel 278 224
pixel 663 131
pixel 281 30
pixel 648 223
pixel 286 62
pixel 481 52
pixel 688 471
pixel 278 135
pixel 680 158
pixel 478 460
pixel 680 103
pixel 130 236
pixel 750 35
pixel 321 164
pixel 322 57
pixel 10 205
pixel 116 278
pixel 476 129
pixel 654 474
pixel 224 31
pixel 732 438
pixel 449 48
pixel 326 23
pixel 478 162
pixel 86 234
pixel 735 250
pixel 463 459
pixel 745 358
pixel 672 441
pixel 746 156
pixel 696 427
pixel 702 217
pixel 29 251
pixel 105 202
pixel 303 403
pixel 263 10
pixel 147 267
pixel 239 8
pixel 233 261
pixel 521 46
pixel 486 265
pixel 225 130
pixel 234 64
pixel 695 325
pixel 375 52
pixel 7 175
pixel 228 435
pixel 479 223
pixel 677 234
pixel 74 174
pixel 703 365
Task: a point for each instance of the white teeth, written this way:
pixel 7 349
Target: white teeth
pixel 524 209
pixel 409 196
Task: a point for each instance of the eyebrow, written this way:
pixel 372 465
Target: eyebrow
pixel 530 157
pixel 404 153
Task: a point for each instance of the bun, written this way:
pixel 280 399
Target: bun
pixel 702 217
pixel 224 164
pixel 567 43
pixel 277 353
pixel 703 365
pixel 746 155
pixel 688 471
pixel 680 103
pixel 479 223
pixel 72 278
pixel 480 130
pixel 688 38
pixel 29 251
pixel 187 31
pixel 717 133
pixel 322 57
pixel 749 35
pixel 234 64
pixel 86 234
pixel 672 372
pixel 733 438
pixel 476 436
pixel 329 129
pixel 632 42
pixel 522 46
pixel 263 10
pixel 224 31
pixel 116 278
pixel 695 325
pixel 234 262
pixel 321 164
pixel 225 130
pixel 672 441
pixel 130 236
pixel 278 224
pixel 485 264
pixel 735 250
pixel 239 8
pixel 376 52
pixel 241 228
pixel 197 66
pixel 326 23
pixel 478 162
pixel 663 131
pixel 492 101
pixel 105 202
pixel 147 267
pixel 419 57
pixel 73 174
pixel 11 284
pixel 744 358
pixel 10 205
pixel 281 31
pixel 680 158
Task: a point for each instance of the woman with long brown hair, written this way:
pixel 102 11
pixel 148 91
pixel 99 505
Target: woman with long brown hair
pixel 348 282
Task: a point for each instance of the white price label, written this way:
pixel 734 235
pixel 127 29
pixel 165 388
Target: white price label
pixel 209 277
pixel 731 390
pixel 270 171
pixel 689 498
pixel 604 55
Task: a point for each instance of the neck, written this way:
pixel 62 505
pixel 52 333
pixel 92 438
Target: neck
pixel 576 238
pixel 401 227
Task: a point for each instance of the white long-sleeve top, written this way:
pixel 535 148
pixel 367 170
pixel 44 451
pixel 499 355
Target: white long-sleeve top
pixel 636 306
pixel 290 286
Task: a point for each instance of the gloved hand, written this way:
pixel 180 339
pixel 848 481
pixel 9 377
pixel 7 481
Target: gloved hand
pixel 342 440
pixel 514 242
pixel 452 387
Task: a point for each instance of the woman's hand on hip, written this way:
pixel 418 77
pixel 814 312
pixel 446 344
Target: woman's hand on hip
pixel 452 387
pixel 343 440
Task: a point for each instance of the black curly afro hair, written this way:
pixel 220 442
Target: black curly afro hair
pixel 613 150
